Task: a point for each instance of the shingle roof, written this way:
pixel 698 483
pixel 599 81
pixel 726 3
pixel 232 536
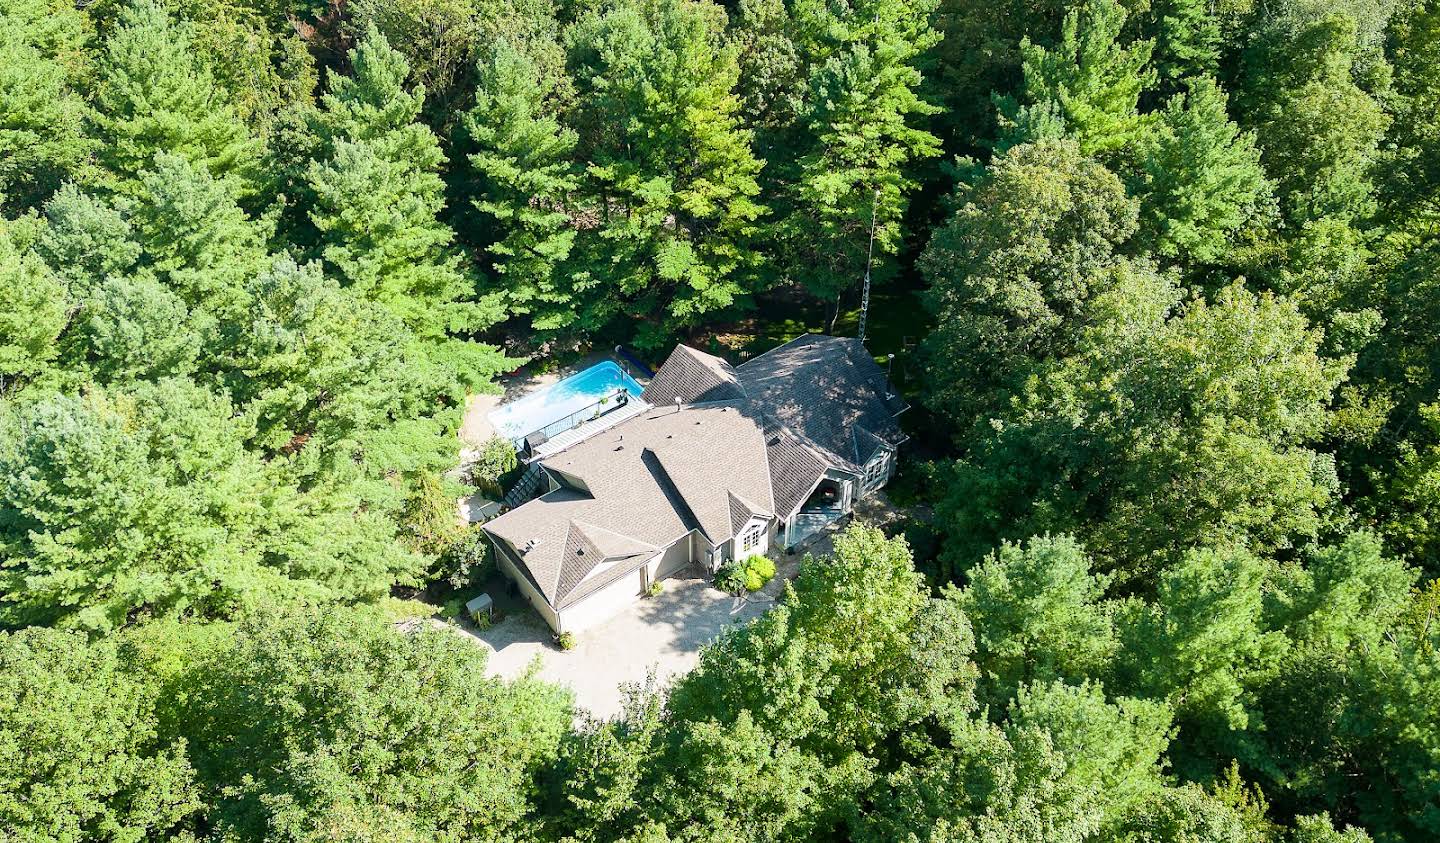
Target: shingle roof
pixel 748 441
pixel 794 468
pixel 651 481
pixel 693 377
pixel 824 388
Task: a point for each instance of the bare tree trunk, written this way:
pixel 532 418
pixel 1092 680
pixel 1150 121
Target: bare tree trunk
pixel 835 313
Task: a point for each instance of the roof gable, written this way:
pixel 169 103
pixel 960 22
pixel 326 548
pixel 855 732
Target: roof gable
pixel 692 377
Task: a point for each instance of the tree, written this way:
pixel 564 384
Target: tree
pixel 133 328
pixel 854 171
pixel 1162 433
pixel 671 169
pixel 1087 87
pixel 195 236
pixel 42 143
pixel 308 719
pixel 1318 129
pixel 1187 39
pixel 1038 617
pixel 525 179
pixel 1410 495
pixel 1202 179
pixel 33 312
pixel 80 756
pixel 1011 272
pixel 377 193
pixel 189 524
pixel 444 40
pixel 86 239
pixel 154 95
pixel 1199 642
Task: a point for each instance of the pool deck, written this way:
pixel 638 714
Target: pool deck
pixel 475 426
pixel 476 429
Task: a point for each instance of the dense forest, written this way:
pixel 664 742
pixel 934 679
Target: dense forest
pixel 1177 418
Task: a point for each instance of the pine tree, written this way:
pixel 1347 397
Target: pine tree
pixel 1090 81
pixel 377 194
pixel 672 172
pixel 1202 178
pixel 863 107
pixel 155 95
pixel 525 179
pixel 33 312
pixel 195 236
pixel 42 141
pixel 1187 40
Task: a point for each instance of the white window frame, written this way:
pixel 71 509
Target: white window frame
pixel 751 539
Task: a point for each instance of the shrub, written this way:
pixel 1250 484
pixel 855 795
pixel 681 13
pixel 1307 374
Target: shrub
pixel 497 458
pixel 731 577
pixel 741 575
pixel 566 640
pixel 655 588
pixel 465 562
pixel 758 571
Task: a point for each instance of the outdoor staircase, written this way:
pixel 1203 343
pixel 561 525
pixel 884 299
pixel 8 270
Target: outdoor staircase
pixel 526 488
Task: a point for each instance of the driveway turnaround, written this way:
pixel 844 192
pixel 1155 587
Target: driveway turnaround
pixel 663 634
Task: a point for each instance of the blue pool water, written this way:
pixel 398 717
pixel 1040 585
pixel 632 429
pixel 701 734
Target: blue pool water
pixel 554 404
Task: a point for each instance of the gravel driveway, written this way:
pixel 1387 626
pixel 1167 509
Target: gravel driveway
pixel 663 633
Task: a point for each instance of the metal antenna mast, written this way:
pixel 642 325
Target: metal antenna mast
pixel 869 256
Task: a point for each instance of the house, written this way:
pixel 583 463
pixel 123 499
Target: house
pixel 724 462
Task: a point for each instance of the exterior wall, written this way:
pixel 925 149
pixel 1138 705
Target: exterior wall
pixel 507 564
pixel 673 558
pixel 609 601
pixel 737 544
pixel 603 604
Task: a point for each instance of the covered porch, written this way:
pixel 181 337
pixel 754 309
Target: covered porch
pixel 830 501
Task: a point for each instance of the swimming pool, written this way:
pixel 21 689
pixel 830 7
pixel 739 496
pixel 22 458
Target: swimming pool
pixel 549 408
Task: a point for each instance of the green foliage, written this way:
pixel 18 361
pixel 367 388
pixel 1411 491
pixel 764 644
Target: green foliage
pixel 739 576
pixel 1198 426
pixel 670 167
pixel 1013 270
pixel 496 459
pixel 525 178
pixel 377 196
pixel 153 95
pixel 566 641
pixel 865 134
pixel 79 748
pixel 33 312
pixel 192 523
pixel 1087 87
pixel 1038 616
pixel 308 715
pixel 1202 178
pixel 1175 514
pixel 42 63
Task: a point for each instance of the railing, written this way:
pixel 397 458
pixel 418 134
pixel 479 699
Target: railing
pixel 610 402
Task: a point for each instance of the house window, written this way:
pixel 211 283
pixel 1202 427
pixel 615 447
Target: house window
pixel 751 539
pixel 875 471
